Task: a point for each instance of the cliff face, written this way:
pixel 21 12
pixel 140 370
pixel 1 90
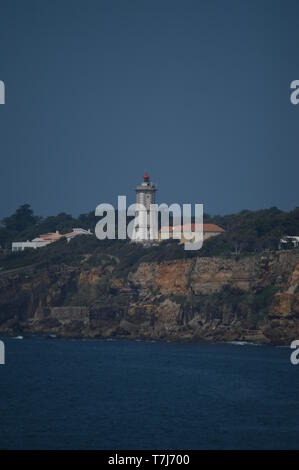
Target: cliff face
pixel 253 299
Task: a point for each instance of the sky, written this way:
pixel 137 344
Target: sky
pixel 195 92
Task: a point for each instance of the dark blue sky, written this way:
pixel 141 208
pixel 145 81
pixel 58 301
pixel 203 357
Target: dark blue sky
pixel 196 92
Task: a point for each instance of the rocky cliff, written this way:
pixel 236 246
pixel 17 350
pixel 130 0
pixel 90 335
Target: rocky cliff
pixel 251 299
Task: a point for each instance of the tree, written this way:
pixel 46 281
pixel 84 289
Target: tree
pixel 21 220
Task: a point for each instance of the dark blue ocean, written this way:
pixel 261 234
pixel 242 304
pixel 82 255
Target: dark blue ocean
pixel 72 394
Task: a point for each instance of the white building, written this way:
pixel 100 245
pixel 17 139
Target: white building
pixel 47 238
pixel 35 243
pixel 75 232
pixel 145 227
pixel 38 242
pixel 186 232
pixel 287 240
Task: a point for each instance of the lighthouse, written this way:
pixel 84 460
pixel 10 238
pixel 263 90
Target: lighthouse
pixel 145 226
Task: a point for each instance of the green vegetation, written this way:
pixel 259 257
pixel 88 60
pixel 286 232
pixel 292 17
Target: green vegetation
pixel 246 233
pixel 262 300
pixel 236 301
pixel 251 231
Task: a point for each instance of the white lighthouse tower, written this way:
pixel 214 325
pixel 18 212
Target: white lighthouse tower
pixel 145 227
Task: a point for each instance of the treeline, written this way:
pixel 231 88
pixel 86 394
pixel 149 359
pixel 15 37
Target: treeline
pixel 24 225
pixel 252 231
pixel 245 232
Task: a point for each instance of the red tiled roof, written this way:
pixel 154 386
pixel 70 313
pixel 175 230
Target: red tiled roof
pixel 194 227
pixel 212 228
pixel 50 236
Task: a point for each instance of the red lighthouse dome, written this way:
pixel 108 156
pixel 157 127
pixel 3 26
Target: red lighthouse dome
pixel 146 176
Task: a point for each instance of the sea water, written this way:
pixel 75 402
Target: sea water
pixel 96 394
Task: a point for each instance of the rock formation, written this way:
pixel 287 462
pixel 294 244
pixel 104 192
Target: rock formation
pixel 251 299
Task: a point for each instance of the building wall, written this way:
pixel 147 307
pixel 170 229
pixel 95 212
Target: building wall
pixel 206 236
pixel 21 246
